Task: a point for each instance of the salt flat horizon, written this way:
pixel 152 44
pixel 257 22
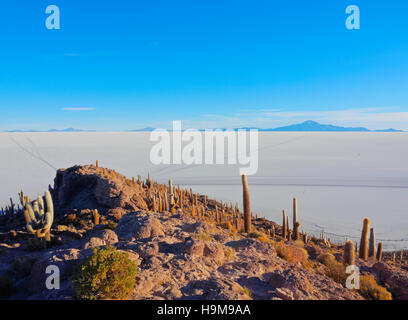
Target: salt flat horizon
pixel 338 178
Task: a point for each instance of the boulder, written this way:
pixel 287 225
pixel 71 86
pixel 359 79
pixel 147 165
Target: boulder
pixel 138 225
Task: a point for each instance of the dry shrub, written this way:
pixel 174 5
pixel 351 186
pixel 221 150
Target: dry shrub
pixel 299 243
pixel 246 291
pixel 335 270
pixel 291 253
pixel 229 253
pixel 370 289
pixel 202 236
pixel 111 225
pixel 260 236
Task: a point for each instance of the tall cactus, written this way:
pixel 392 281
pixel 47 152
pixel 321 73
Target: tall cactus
pixel 284 229
pixel 247 207
pixel 349 254
pixel 171 196
pixel 39 216
pixel 363 252
pixel 371 247
pixel 295 217
pixel 379 251
pixel 288 231
pixel 95 215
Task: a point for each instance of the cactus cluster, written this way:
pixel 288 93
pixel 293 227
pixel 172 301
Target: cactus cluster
pixel 367 249
pixel 39 215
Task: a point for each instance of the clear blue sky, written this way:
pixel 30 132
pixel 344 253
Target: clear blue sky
pixel 131 64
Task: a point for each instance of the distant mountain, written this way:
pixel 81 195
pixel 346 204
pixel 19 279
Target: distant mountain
pixel 313 126
pixel 308 125
pixel 147 129
pixel 51 130
pixel 389 130
pixel 69 130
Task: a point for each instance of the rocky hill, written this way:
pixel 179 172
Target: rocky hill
pixel 186 246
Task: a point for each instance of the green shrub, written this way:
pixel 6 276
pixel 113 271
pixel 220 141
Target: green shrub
pixel 108 274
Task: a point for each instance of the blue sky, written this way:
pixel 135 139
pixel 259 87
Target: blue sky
pixel 118 65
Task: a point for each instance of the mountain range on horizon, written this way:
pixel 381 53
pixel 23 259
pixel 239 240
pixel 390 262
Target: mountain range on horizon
pixel 306 126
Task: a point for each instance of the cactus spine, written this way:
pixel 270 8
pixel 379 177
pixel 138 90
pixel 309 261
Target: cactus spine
pixel 363 252
pixel 371 247
pixel 247 207
pixel 349 257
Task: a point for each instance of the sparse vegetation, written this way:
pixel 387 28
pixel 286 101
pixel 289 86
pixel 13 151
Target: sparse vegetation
pixel 260 236
pixel 370 289
pixel 246 291
pixel 111 225
pixel 229 253
pixel 335 270
pixel 291 253
pixel 107 274
pixel 202 236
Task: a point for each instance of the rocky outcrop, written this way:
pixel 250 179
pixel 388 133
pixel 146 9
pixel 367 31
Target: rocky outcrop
pixel 394 279
pixel 83 187
pixel 179 256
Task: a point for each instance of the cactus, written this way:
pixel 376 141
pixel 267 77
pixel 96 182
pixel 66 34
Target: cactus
pixel 171 196
pixel 39 216
pixel 295 219
pixel 363 253
pixel 95 215
pixel 287 227
pixel 97 164
pixel 296 231
pixel 349 255
pixel 284 229
pixel 371 247
pixel 247 207
pixel 379 251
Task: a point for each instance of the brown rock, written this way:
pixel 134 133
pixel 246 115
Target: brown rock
pixel 395 279
pixel 138 225
pixel 194 247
